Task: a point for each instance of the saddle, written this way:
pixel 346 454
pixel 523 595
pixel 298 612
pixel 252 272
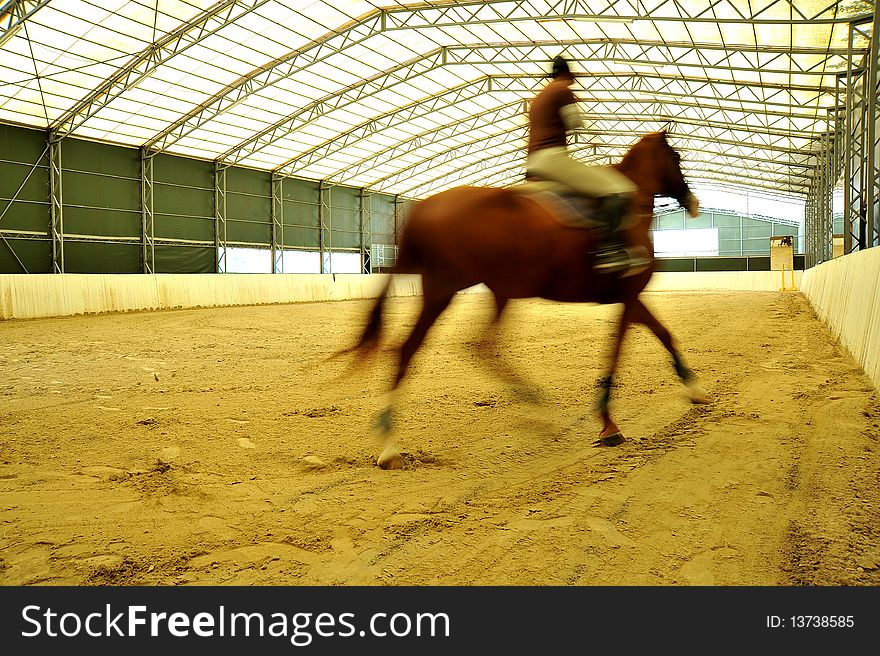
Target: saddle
pixel 573 209
pixel 563 203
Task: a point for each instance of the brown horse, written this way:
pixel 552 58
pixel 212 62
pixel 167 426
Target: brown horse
pixel 512 244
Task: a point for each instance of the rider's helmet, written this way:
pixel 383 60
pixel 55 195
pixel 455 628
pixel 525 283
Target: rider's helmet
pixel 560 67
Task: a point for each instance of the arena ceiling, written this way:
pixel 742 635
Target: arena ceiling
pixel 410 98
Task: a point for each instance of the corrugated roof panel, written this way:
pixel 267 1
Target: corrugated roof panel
pixel 286 80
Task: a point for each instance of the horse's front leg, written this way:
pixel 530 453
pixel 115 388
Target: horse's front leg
pixel 641 314
pixel 611 435
pixel 433 304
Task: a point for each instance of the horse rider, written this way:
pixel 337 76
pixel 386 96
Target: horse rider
pixel 553 114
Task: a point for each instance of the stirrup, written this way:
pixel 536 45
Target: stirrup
pixel 628 261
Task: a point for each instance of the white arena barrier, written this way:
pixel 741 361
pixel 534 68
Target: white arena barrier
pixel 752 281
pixel 845 293
pixel 28 296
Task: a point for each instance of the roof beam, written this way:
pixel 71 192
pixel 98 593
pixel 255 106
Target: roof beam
pixel 406 113
pixel 145 63
pixel 723 132
pixel 719 160
pixel 650 53
pixel 437 58
pixel 14 13
pixel 513 174
pixel 281 68
pixel 455 153
pixel 300 162
pixel 774 147
pixel 459 151
pixel 412 17
pixel 514 11
pixel 336 100
pixel 426 138
pixel 647 44
pixel 492 117
pixel 487 143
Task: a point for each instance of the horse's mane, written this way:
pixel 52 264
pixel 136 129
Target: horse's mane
pixel 641 144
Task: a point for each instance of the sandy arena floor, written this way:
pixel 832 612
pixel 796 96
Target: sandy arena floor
pixel 214 447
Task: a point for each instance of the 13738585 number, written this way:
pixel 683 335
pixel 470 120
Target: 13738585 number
pixel 821 621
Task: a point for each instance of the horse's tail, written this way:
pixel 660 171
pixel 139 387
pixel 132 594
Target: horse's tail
pixel 369 339
pixel 409 260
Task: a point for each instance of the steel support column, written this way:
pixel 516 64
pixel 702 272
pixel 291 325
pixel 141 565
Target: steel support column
pixel 366 229
pixel 325 222
pixel 825 225
pixel 147 229
pixel 277 223
pixel 855 213
pixel 816 202
pixel 56 203
pixel 220 216
pixel 872 165
pixel 398 219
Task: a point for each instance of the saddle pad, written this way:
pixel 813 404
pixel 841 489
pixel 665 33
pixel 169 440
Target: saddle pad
pixel 567 207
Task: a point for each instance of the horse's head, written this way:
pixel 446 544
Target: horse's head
pixel 653 159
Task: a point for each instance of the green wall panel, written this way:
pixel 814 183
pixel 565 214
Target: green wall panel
pixel 22 148
pixel 188 201
pixel 34 254
pixel 383 219
pixel 248 232
pixel 248 181
pixel 102 198
pixel 102 257
pixel 751 263
pixel 345 221
pixel 724 219
pixel 25 216
pixel 700 222
pixel 100 191
pixel 674 221
pixel 759 263
pixel 251 208
pixel 780 229
pixel 184 259
pixel 674 264
pixel 301 190
pixel 297 237
pixel 36 182
pixel 300 214
pixel 183 171
pixel 753 229
pixel 101 223
pixel 81 155
pixel 725 264
pixel 183 227
pixel 346 240
pixel 19 144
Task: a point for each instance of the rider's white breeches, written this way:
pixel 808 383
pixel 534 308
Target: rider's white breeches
pixel 556 165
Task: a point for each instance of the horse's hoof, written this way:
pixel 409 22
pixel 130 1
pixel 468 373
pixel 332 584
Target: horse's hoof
pixel 614 439
pixel 697 394
pixel 390 458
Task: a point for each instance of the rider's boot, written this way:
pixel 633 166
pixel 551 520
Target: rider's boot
pixel 614 254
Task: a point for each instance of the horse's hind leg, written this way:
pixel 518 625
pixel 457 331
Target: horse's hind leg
pixel 433 304
pixel 611 435
pixel 641 314
pixel 497 363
